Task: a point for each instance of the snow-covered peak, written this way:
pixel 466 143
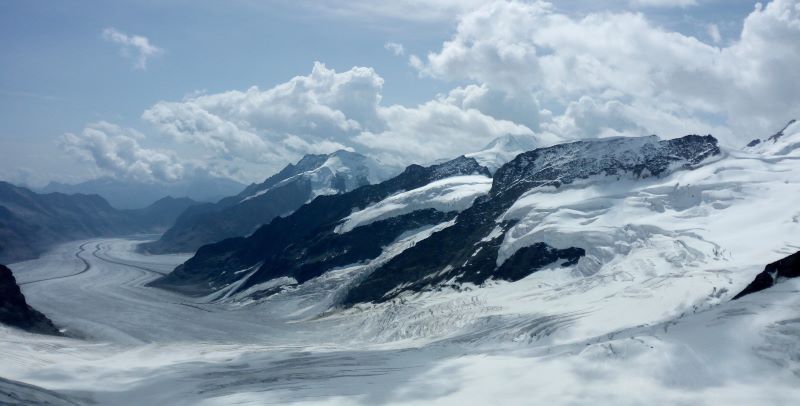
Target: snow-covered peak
pixel 503 149
pixel 785 142
pixel 337 172
pixel 640 156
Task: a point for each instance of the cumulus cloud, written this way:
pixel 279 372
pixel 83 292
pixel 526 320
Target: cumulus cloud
pixel 521 68
pixel 624 63
pixel 116 151
pixel 436 129
pixel 136 47
pixel 328 110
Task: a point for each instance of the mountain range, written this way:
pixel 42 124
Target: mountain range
pixel 456 205
pixel 129 194
pixel 460 225
pixel 278 195
pixel 31 222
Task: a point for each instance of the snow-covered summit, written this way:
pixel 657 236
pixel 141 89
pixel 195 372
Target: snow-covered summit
pixel 338 172
pixel 503 149
pixel 640 157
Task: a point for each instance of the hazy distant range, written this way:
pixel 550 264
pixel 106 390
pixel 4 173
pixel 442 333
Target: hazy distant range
pixel 124 194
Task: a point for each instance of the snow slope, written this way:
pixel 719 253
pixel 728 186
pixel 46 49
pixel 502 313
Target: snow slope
pixel 450 194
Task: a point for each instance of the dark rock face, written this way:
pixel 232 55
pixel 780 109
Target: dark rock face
pixel 304 245
pixel 31 222
pixel 240 215
pixel 15 311
pixel 788 267
pixel 461 253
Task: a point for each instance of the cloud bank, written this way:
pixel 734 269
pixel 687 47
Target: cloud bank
pixel 521 68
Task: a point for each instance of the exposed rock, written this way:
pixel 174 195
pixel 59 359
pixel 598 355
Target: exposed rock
pixel 788 267
pixel 15 311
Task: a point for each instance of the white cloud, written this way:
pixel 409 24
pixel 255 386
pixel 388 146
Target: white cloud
pixel 434 130
pixel 136 47
pixel 623 62
pixel 520 68
pixel 395 48
pixel 325 109
pixel 328 110
pixel 116 151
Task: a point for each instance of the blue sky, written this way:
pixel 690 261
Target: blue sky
pixel 60 74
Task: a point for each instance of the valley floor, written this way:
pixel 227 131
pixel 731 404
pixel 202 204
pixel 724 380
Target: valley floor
pixel 135 345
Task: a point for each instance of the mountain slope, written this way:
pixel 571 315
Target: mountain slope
pixel 31 222
pixel 124 194
pixel 279 195
pixel 473 250
pixel 15 311
pixel 305 243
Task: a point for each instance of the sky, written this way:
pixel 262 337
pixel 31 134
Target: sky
pixel 161 91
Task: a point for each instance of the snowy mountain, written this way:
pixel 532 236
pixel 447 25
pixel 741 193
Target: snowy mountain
pixel 279 195
pixel 552 208
pixel 503 149
pixel 467 249
pixel 598 235
pixel 314 239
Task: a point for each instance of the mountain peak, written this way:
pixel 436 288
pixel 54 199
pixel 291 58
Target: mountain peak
pixel 503 149
pixel 640 156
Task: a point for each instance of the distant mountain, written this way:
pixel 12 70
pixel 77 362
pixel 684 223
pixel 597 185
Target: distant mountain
pixel 316 236
pixel 15 311
pixel 124 194
pixel 31 222
pixel 503 149
pixel 279 195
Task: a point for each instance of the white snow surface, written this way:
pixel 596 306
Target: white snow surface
pixel 451 194
pixel 644 318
